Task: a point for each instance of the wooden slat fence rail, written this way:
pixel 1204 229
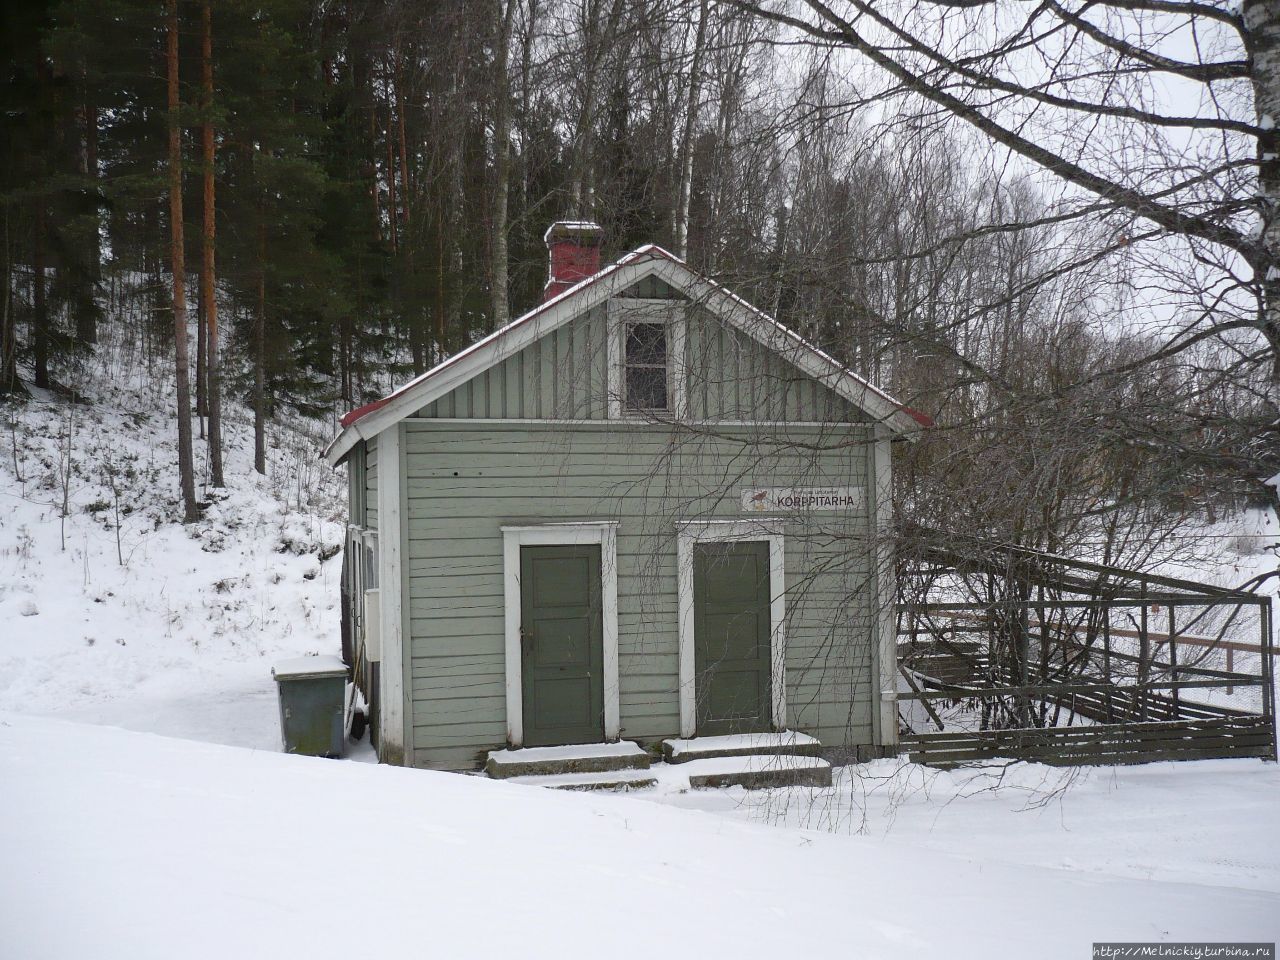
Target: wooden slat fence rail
pixel 1123 743
pixel 1094 663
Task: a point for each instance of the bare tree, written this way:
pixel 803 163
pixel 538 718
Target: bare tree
pixel 1108 132
pixel 692 102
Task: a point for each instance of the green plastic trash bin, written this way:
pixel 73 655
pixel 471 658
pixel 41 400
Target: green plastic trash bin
pixel 312 695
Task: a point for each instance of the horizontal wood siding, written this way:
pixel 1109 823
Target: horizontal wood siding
pixel 463 483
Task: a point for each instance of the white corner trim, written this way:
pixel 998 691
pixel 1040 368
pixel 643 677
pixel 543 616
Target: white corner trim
pixel 885 592
pixel 603 532
pixel 755 530
pixel 391 712
pixel 672 313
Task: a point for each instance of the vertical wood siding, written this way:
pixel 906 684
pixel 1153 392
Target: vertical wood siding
pixel 732 377
pixel 563 376
pixel 463 483
pixel 371 484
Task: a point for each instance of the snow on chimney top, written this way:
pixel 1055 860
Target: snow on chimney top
pixel 574 248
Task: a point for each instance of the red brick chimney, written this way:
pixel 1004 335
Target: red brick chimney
pixel 574 246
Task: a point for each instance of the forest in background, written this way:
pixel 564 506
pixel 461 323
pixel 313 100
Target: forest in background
pixel 354 189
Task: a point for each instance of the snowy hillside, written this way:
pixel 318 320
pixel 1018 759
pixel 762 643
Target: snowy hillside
pixel 115 613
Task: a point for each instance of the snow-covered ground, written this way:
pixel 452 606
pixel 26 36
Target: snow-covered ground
pixel 122 843
pixel 127 845
pixel 114 613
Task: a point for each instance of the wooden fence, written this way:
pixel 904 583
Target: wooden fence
pixel 1113 743
pixel 1139 721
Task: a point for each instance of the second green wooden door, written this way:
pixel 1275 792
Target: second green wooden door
pixel 562 653
pixel 733 674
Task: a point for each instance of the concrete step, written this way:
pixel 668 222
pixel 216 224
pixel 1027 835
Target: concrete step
pixel 573 758
pixel 741 745
pixel 758 772
pixel 619 781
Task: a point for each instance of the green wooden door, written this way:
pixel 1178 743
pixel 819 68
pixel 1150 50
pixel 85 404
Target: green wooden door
pixel 733 674
pixel 562 652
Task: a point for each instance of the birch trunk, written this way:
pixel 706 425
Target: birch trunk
pixel 685 188
pixel 1261 20
pixel 501 158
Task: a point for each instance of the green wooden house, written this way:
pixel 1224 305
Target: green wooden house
pixel 644 511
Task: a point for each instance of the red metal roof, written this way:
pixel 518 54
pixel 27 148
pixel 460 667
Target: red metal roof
pixel 921 418
pixel 352 416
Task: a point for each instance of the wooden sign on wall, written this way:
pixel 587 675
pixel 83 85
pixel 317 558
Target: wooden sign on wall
pixel 803 499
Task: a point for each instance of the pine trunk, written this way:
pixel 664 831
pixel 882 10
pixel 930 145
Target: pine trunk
pixel 86 314
pixel 186 468
pixel 260 355
pixel 8 333
pixel 39 304
pixel 208 274
pixel 202 409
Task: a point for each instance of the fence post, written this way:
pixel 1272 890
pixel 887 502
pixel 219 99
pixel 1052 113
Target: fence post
pixel 1268 669
pixel 1106 663
pixel 1173 663
pixel 1144 657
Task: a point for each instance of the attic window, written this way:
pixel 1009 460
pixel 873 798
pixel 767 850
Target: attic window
pixel 646 366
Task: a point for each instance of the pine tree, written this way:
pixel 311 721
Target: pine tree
pixel 186 472
pixel 208 239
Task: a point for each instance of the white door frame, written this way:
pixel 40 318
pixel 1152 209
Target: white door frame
pixel 603 532
pixel 755 530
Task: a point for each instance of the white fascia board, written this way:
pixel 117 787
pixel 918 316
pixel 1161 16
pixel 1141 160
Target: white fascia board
pixel 789 345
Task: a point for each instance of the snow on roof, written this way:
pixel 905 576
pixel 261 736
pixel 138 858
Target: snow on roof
pixel 298 668
pixel 571 227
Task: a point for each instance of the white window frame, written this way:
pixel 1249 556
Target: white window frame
pixel 573 533
pixel 623 311
pixel 755 530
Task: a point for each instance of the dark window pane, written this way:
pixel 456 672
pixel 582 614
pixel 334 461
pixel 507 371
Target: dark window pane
pixel 646 388
pixel 647 343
